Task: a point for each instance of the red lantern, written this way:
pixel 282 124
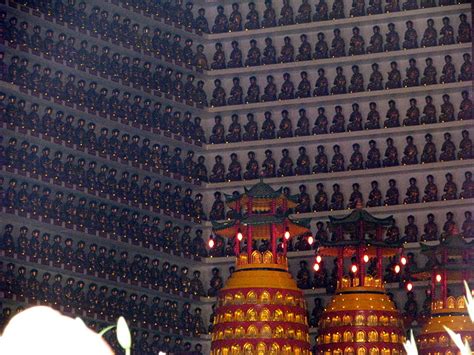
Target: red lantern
pixel 316 267
pixel 354 268
pixel 397 269
pixel 211 243
pixel 287 235
pixel 319 259
pixel 409 286
pixel 438 278
pixel 310 240
pixel 366 258
pixel 403 260
pixel 240 236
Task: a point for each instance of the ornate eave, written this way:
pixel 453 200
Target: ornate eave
pixel 261 226
pixel 263 196
pixel 328 248
pixel 350 222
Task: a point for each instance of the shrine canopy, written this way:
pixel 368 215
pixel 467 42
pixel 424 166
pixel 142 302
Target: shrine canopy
pixel 366 233
pixel 261 198
pixel 261 213
pixel 452 257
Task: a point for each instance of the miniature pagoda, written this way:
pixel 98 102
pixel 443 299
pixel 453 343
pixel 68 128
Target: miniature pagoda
pixel 361 318
pixel 261 310
pixel 449 262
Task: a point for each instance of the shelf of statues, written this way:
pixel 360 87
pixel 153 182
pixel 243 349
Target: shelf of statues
pixel 102 320
pixel 101 82
pixel 313 65
pixel 95 40
pixel 128 285
pixel 298 141
pixel 345 176
pixel 102 198
pixel 106 241
pixel 113 7
pixel 341 98
pixel 98 120
pixel 336 23
pixel 117 164
pixel 427 206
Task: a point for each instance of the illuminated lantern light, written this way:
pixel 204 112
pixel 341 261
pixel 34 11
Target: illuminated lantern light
pixel 240 236
pixel 397 269
pixel 319 259
pixel 316 267
pixel 287 235
pixel 310 240
pixel 354 268
pixel 403 260
pixel 409 286
pixel 211 243
pixel 366 258
pixel 438 278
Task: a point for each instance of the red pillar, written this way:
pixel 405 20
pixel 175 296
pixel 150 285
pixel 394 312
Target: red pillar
pixel 340 266
pixel 274 242
pixel 249 242
pixel 361 261
pixel 379 264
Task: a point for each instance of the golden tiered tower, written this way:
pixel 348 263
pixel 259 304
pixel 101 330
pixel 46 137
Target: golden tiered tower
pixel 361 318
pixel 451 261
pixel 261 310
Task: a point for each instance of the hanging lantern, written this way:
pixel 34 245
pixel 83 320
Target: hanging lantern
pixel 240 236
pixel 403 260
pixel 287 235
pixel 365 258
pixel 316 267
pixel 354 268
pixel 310 240
pixel 319 259
pixel 438 277
pixel 397 269
pixel 409 286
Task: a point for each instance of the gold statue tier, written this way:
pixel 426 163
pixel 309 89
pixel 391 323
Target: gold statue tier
pixel 361 320
pixel 261 310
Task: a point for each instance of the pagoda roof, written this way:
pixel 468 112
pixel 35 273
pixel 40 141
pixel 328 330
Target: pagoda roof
pixel 331 248
pixel 455 271
pixel 453 244
pixel 263 190
pixel 349 222
pixel 262 196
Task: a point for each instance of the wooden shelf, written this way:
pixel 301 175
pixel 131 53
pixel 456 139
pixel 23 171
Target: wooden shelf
pixel 76 235
pixel 114 48
pixel 99 121
pixel 345 175
pixel 428 206
pixel 341 23
pixel 338 137
pixel 347 60
pixel 101 199
pixel 342 98
pixel 13 304
pixel 150 292
pixel 118 165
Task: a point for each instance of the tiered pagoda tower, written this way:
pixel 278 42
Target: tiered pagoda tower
pixel 361 318
pixel 261 310
pixel 451 261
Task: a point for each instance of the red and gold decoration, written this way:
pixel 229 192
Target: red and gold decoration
pixel 261 310
pixel 449 262
pixel 361 318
